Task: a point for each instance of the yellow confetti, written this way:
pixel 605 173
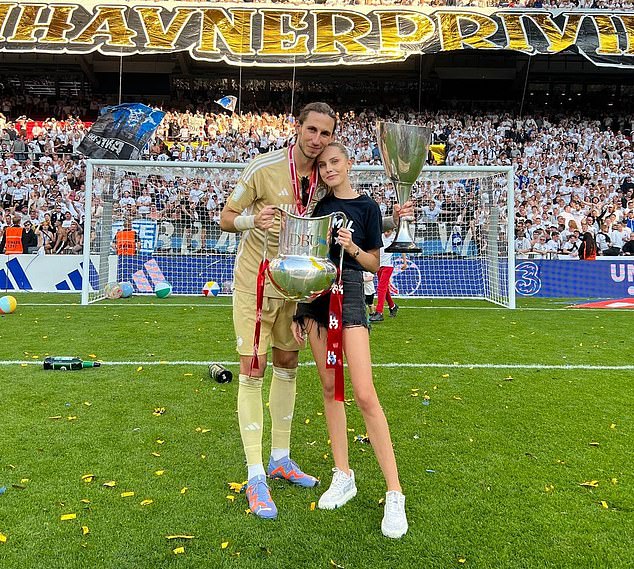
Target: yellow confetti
pixel 590 484
pixel 72 418
pixel 147 502
pixel 445 375
pixel 613 426
pixel 604 504
pixel 140 368
pixel 614 481
pixel 85 501
pixel 87 403
pixel 319 413
pixel 23 365
pixel 462 560
pixel 85 530
pixel 156 454
pixel 88 478
pixel 92 355
pixel 159 472
pixel 230 497
pixel 179 536
pixel 159 441
pixel 203 456
pixel 158 411
pixel 24 481
pixel 224 545
pixel 312 506
pixel 205 430
pixel 188 374
pixel 237 486
pixel 457 398
pixel 549 488
pixel 3 538
pixel 184 489
pixel 178 550
pixel 335 565
pixel 594 444
pixel 56 417
pixel 65 517
pixel 110 484
pixel 307 421
pixel 415 394
pixel 127 494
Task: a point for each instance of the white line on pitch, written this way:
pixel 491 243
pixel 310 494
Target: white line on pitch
pixel 381 365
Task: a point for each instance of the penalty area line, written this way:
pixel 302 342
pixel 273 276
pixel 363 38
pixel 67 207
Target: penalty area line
pixel 378 365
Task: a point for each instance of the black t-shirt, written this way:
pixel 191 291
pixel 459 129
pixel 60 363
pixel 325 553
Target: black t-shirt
pixel 364 219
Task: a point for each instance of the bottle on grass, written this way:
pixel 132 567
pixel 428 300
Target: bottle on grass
pixel 67 363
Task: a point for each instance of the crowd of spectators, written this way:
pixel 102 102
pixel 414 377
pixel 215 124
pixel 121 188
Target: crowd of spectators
pixel 573 175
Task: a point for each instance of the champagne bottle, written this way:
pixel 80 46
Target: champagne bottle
pixel 67 363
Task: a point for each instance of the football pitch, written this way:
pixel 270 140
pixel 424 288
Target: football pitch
pixel 512 431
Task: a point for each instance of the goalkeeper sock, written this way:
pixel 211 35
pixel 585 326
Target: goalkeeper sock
pixel 281 406
pixel 250 417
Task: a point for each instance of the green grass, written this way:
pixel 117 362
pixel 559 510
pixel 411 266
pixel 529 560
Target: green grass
pixel 491 467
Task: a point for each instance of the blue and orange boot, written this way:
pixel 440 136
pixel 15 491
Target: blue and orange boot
pixel 259 497
pixel 287 469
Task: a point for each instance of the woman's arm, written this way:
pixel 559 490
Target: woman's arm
pixel 369 260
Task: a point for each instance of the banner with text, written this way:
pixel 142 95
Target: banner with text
pixel 276 34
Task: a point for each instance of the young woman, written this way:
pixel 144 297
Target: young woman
pixel 359 242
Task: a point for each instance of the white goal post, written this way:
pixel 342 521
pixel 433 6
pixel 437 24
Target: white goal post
pixel 464 226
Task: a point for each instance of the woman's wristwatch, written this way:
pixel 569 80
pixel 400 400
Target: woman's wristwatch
pixel 356 253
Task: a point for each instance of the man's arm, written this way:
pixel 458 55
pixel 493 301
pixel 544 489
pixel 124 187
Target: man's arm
pixel 234 222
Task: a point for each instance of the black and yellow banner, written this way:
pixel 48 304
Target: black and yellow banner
pixel 248 34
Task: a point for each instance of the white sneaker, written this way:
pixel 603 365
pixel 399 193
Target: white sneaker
pixel 342 489
pixel 394 522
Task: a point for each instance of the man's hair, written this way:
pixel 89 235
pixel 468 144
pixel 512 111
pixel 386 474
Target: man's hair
pixel 317 107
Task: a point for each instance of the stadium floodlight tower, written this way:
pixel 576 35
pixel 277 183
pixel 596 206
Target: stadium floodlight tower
pixel 464 226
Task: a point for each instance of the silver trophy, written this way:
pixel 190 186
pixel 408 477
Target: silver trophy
pixel 302 270
pixel 403 149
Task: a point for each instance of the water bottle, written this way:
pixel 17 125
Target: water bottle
pixel 220 373
pixel 67 363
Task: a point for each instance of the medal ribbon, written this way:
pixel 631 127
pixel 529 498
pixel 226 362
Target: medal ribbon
pixel 334 353
pixel 264 263
pixel 297 190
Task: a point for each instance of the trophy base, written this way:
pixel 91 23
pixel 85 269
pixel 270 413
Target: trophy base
pixel 403 247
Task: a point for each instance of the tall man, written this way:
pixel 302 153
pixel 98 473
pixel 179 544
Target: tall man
pixel 284 177
pixel 281 178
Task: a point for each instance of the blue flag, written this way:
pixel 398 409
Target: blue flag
pixel 121 132
pixel 228 102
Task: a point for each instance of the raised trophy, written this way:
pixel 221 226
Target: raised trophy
pixel 302 270
pixel 403 149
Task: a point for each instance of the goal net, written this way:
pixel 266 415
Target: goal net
pixel 463 226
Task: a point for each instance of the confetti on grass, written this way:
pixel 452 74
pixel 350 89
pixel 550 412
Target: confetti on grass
pixel 88 478
pixel 237 487
pixel 224 545
pixel 158 411
pixel 110 484
pixel 178 550
pixel 147 502
pixel 3 538
pixel 66 517
pixel 590 484
pixel 179 536
pixel 85 530
pixel 335 565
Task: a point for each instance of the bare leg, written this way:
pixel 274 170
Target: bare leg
pixel 334 410
pixel 356 345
